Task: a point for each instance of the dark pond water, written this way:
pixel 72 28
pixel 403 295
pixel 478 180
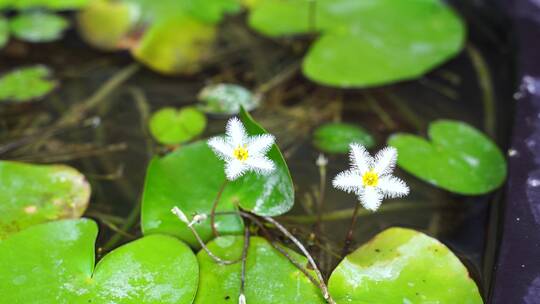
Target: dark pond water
pixel 475 87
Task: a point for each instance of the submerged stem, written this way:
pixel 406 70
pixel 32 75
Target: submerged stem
pixel 242 297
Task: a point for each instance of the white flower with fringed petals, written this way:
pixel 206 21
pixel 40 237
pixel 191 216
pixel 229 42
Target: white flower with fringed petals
pixel 242 153
pixel 371 178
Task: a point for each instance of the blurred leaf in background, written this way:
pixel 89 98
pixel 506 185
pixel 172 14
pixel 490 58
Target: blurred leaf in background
pixel 38 26
pixel 26 83
pixel 336 137
pixel 226 99
pixel 172 126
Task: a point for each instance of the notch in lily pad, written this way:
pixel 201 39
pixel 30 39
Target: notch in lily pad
pixel 56 261
pixel 227 99
pixel 364 44
pixel 337 137
pixel 34 194
pixel 403 266
pixel 458 158
pixel 171 126
pixel 191 178
pixel 26 84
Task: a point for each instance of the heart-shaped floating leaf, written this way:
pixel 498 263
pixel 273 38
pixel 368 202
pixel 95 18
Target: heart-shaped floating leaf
pixel 47 4
pixel 38 26
pixel 54 263
pixel 26 83
pixel 365 43
pixel 169 36
pixel 172 126
pixel 270 277
pixel 226 99
pixel 4 31
pixel 191 178
pixel 33 194
pixel 459 158
pixel 336 137
pixel 402 266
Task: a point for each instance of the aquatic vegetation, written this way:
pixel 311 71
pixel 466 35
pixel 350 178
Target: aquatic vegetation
pixel 171 37
pixel 403 266
pixel 4 31
pixel 365 44
pixel 338 136
pixel 43 4
pixel 226 99
pixel 168 185
pixel 55 263
pixel 457 158
pixel 171 126
pixel 270 276
pixel 371 178
pixel 26 83
pixel 34 194
pixel 38 26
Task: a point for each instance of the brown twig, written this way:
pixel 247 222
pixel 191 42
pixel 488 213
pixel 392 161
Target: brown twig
pixel 214 207
pixel 349 237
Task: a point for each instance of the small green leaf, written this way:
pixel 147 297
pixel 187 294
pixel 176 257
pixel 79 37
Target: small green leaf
pixel 38 26
pixel 34 194
pixel 270 277
pixel 4 31
pixel 365 43
pixel 226 99
pixel 459 158
pixel 171 126
pixel 191 177
pixel 336 137
pixel 402 266
pixel 24 84
pixel 54 263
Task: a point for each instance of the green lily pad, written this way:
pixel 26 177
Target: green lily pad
pixel 402 266
pixel 337 137
pixel 24 84
pixel 54 263
pixel 270 277
pixel 175 46
pixel 226 99
pixel 4 31
pixel 459 158
pixel 47 4
pixel 107 25
pixel 191 177
pixel 34 194
pixel 366 43
pixel 38 26
pixel 172 126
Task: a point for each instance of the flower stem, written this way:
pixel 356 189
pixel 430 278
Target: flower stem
pixel 244 260
pixel 209 252
pixel 349 237
pixel 214 207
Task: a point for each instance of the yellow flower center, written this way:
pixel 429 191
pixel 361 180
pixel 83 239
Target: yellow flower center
pixel 241 153
pixel 370 178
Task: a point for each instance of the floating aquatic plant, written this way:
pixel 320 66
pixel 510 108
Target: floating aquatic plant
pixel 226 99
pixel 338 136
pixel 171 126
pixel 38 26
pixel 54 263
pixel 457 157
pixel 365 43
pixel 34 194
pixel 27 83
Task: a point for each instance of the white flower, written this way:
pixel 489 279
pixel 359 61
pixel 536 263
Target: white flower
pixel 370 178
pixel 241 152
